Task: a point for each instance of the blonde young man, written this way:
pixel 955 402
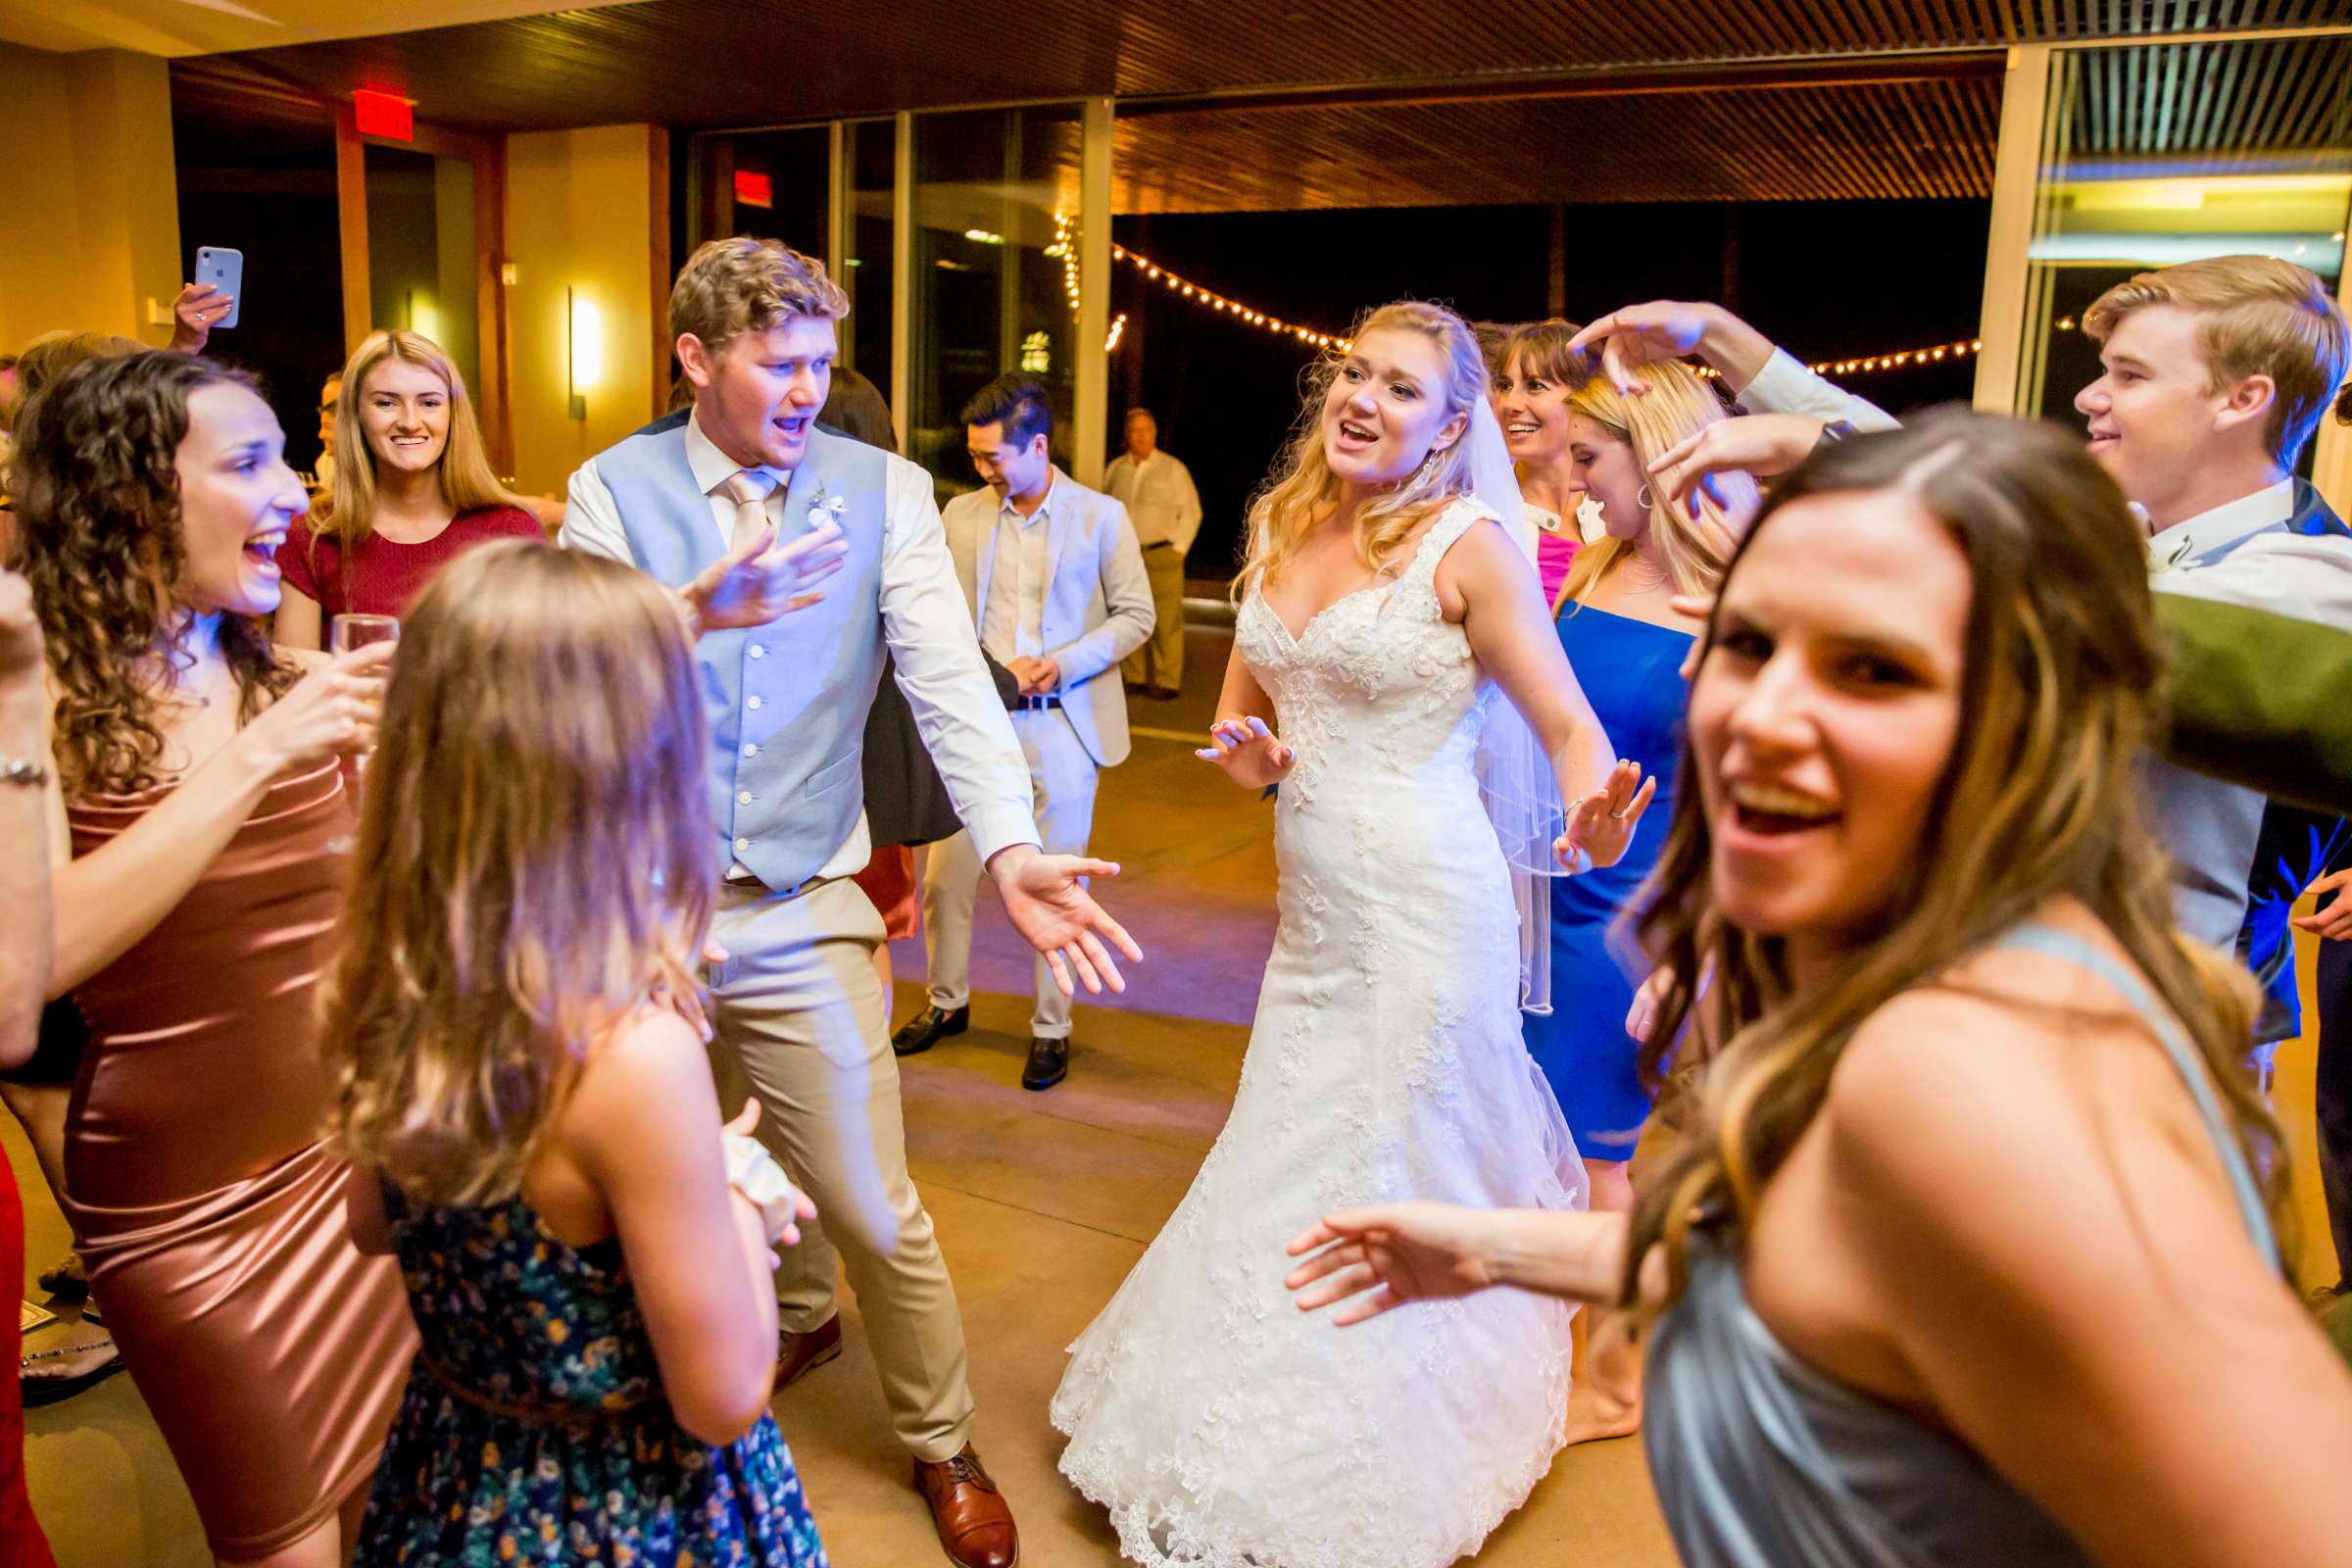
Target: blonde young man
pixel 796 1004
pixel 2215 374
pixel 1157 489
pixel 1054 580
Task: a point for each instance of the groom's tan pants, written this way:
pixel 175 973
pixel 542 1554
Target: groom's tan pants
pixel 800 1022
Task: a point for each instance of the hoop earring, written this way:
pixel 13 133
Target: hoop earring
pixel 1644 499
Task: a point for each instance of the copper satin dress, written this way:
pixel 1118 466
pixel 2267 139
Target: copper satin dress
pixel 212 1216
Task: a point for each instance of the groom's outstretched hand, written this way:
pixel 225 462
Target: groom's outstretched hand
pixel 1046 895
pixel 764 581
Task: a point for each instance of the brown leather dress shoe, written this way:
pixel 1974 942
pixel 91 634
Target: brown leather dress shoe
pixel 796 1354
pixel 975 1525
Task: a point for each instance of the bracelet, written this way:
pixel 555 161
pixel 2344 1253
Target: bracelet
pixel 20 770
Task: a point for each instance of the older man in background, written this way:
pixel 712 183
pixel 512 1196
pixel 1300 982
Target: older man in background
pixel 1156 490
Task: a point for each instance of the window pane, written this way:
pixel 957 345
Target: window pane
pixel 2164 153
pixel 873 160
pixel 995 272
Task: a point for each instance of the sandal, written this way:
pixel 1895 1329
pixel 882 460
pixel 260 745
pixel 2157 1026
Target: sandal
pixel 82 1356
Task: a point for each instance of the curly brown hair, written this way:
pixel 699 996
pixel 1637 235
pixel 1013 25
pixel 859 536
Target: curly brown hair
pixel 98 538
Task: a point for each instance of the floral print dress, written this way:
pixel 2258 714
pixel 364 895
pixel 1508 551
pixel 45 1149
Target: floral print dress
pixel 534 1429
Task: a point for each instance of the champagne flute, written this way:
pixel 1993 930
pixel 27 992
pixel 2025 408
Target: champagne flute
pixel 345 633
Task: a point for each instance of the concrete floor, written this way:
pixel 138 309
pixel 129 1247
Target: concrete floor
pixel 1042 1204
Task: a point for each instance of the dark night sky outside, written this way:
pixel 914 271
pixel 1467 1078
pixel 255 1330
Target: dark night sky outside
pixel 1827 279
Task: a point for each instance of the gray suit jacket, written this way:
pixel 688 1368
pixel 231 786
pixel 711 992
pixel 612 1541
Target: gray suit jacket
pixel 1098 605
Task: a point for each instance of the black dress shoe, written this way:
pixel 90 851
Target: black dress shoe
pixel 928 1028
pixel 1049 1063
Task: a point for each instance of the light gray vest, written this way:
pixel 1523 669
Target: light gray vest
pixel 787 702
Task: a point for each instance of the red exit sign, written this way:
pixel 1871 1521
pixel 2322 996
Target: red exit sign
pixel 754 190
pixel 379 114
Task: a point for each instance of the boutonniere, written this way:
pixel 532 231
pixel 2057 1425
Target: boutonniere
pixel 824 509
pixel 2179 554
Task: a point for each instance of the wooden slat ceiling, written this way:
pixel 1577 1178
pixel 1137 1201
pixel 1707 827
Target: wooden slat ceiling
pixel 1333 101
pixel 747 61
pixel 1906 139
pixel 2278 104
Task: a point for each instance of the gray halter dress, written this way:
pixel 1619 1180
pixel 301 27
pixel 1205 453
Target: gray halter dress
pixel 1761 1461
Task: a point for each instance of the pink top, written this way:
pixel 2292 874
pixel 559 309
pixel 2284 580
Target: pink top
pixel 1555 548
pixel 384 578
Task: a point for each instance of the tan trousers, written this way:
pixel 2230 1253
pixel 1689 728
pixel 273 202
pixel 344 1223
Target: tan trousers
pixel 801 1023
pixel 1160 662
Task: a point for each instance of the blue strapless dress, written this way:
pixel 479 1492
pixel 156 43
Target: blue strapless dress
pixel 1631 671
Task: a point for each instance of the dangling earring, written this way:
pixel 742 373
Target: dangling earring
pixel 1644 499
pixel 1428 469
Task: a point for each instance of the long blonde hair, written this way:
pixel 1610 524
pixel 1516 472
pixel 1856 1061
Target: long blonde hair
pixel 1303 488
pixel 468 481
pixel 536 861
pixel 2036 803
pixel 1678 403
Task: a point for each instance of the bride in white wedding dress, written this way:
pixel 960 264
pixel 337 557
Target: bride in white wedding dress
pixel 1386 618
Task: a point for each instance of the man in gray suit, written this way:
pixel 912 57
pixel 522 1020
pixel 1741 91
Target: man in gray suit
pixel 1056 583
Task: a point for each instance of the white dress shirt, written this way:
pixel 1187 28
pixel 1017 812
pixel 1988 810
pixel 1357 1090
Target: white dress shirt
pixel 1012 621
pixel 1159 499
pixel 2308 576
pixel 924 622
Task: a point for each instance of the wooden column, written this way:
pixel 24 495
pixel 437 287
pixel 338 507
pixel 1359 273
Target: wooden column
pixel 1097 120
pixel 351 214
pixel 658 182
pixel 2016 171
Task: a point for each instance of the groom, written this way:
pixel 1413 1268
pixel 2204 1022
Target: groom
pixel 796 1004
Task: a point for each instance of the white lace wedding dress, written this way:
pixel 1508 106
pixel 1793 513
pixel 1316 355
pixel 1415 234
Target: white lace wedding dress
pixel 1222 1427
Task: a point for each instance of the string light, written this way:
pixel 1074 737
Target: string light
pixel 1223 305
pixel 1065 247
pixel 1858 364
pixel 1901 359
pixel 1118 329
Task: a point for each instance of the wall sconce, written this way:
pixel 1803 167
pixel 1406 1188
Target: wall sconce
pixel 583 349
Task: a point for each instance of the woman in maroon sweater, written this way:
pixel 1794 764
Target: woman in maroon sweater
pixel 414 489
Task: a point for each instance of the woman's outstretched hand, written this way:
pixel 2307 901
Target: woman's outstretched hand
pixel 1378 1259
pixel 1600 825
pixel 1248 752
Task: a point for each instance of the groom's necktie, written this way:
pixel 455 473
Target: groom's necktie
pixel 747 490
